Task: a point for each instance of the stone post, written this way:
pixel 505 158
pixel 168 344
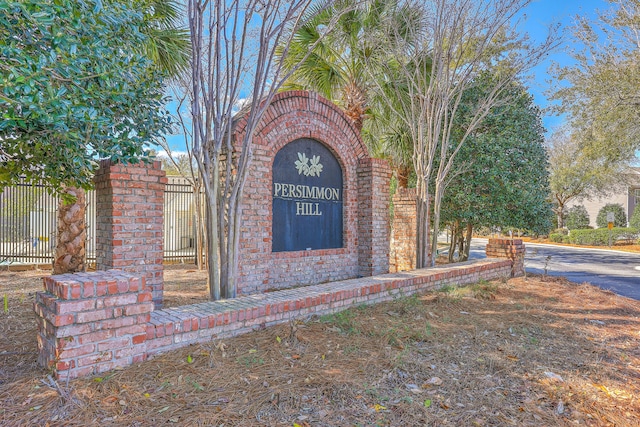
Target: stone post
pixel 512 249
pixel 129 221
pixel 373 216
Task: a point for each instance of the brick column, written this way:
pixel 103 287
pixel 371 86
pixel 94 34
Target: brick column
pixel 373 216
pixel 403 230
pixel 129 216
pixel 512 249
pixel 92 322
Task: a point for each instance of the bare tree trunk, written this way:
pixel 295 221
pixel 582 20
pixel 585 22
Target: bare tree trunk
pixel 560 214
pixel 465 254
pixel 70 256
pixel 213 246
pixel 402 175
pixel 455 230
pixel 437 201
pixel 201 250
pixel 422 225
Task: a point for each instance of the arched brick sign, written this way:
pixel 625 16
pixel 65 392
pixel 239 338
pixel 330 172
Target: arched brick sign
pixel 315 205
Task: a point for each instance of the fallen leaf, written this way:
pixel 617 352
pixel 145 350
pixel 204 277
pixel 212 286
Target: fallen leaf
pixel 553 376
pixel 603 388
pixel 413 388
pixel 278 339
pixel 163 409
pixel 109 399
pixel 512 357
pixel 379 407
pixel 295 356
pixel 189 359
pixel 435 381
pixel 427 403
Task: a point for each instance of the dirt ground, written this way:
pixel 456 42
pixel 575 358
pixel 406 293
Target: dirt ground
pixel 528 352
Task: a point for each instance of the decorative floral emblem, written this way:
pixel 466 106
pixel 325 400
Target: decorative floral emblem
pixel 303 166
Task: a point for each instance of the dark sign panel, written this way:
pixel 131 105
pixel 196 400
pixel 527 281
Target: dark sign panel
pixel 307 198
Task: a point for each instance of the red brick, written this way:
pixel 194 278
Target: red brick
pixel 92 316
pixel 114 344
pixel 95 337
pixel 138 309
pixel 71 353
pixel 139 339
pixel 63 307
pixel 117 300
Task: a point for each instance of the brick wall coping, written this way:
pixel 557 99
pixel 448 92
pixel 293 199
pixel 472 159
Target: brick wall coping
pixel 176 327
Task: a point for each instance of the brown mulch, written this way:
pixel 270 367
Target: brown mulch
pixel 529 352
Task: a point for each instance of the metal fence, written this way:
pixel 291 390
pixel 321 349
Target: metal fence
pixel 28 224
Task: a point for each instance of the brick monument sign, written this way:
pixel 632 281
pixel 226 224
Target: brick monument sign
pixel 315 210
pixel 316 206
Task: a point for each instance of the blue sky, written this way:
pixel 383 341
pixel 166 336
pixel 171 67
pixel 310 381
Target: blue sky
pixel 538 17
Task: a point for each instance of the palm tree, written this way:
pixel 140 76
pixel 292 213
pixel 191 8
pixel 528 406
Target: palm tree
pixel 336 50
pixel 168 46
pixel 339 53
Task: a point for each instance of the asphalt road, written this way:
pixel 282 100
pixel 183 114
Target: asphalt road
pixel 608 269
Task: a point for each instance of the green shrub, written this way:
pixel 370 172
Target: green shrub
pixel 577 218
pixel 600 236
pixel 634 221
pixel 619 215
pixel 556 237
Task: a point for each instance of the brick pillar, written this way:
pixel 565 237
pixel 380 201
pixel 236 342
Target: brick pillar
pixel 92 322
pixel 373 217
pixel 512 249
pixel 403 230
pixel 129 216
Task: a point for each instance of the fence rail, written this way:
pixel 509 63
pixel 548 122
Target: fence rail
pixel 28 223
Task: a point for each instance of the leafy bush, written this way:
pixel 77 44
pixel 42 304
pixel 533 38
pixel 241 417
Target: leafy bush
pixel 600 236
pixel 620 216
pixel 634 221
pixel 556 237
pixel 577 218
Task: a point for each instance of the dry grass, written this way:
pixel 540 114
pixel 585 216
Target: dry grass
pixel 526 352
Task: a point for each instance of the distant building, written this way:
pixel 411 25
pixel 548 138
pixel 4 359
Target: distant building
pixel 628 197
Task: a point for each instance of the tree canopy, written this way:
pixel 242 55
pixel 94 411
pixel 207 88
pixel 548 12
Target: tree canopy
pixel 601 91
pixel 74 88
pixel 499 178
pixel 456 42
pixel 577 173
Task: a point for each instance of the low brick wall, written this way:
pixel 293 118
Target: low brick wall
pixel 512 249
pixel 90 323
